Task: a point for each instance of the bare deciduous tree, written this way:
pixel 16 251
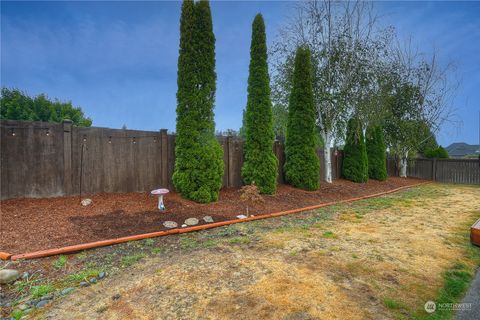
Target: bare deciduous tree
pixel 341 37
pixel 422 95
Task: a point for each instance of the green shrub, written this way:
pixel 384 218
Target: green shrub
pixel 302 166
pixel 17 105
pixel 198 155
pixel 377 153
pixel 355 161
pixel 260 165
pixel 439 152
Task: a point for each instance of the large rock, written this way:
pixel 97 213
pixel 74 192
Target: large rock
pixel 191 221
pixel 22 307
pixel 86 202
pixel 170 224
pixel 208 219
pixel 66 291
pixel 42 303
pixel 8 276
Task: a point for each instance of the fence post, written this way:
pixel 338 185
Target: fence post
pixel 164 156
pixel 228 142
pixel 434 169
pixel 67 157
pixel 232 161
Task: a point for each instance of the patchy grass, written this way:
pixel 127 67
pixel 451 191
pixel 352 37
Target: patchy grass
pixel 41 290
pixel 60 262
pixel 157 250
pixel 83 275
pixel 149 242
pixel 456 281
pixel 82 255
pixel 127 261
pixel 376 258
pixel 392 303
pixel 239 240
pixel 17 314
pixel 329 234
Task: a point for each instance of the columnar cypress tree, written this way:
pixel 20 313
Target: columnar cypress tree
pixel 355 161
pixel 260 165
pixel 199 157
pixel 302 167
pixel 377 153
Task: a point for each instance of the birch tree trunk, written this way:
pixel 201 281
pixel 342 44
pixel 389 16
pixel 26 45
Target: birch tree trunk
pixel 403 165
pixel 327 157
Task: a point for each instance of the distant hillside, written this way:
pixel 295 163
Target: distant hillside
pixel 461 149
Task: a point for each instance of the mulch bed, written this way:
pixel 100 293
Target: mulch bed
pixel 37 224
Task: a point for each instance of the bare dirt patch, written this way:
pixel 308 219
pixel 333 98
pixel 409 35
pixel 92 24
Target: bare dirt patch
pixel 376 259
pixel 37 224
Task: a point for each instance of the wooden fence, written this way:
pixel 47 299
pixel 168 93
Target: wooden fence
pixel 462 171
pixel 41 159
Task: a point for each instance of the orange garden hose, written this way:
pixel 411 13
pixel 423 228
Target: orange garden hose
pixel 102 243
pixel 5 256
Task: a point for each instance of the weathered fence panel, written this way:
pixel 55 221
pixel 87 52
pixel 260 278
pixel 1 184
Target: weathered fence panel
pixel 31 160
pixel 420 168
pixel 458 171
pixel 463 171
pixel 110 160
pixel 41 159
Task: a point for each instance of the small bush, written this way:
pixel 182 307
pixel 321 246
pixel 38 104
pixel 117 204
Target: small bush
pixel 355 161
pixel 250 194
pixel 377 153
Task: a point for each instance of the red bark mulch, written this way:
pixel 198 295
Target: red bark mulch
pixel 36 224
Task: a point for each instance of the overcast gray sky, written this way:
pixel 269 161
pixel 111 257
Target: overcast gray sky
pixel 118 60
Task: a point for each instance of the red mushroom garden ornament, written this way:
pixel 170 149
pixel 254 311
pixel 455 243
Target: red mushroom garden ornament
pixel 160 193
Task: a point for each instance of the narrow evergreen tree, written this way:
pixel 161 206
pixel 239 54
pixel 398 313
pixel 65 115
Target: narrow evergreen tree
pixel 376 152
pixel 198 155
pixel 260 165
pixel 302 166
pixel 355 160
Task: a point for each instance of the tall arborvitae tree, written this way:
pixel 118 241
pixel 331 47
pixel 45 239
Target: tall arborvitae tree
pixel 355 160
pixel 377 153
pixel 260 165
pixel 302 166
pixel 199 157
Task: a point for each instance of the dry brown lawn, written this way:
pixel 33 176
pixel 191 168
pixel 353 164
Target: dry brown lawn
pixel 381 258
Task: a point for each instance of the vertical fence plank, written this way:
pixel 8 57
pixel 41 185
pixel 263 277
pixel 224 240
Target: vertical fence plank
pixel 279 153
pixel 44 159
pixel 225 142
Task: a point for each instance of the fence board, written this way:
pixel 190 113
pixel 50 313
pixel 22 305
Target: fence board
pixel 34 164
